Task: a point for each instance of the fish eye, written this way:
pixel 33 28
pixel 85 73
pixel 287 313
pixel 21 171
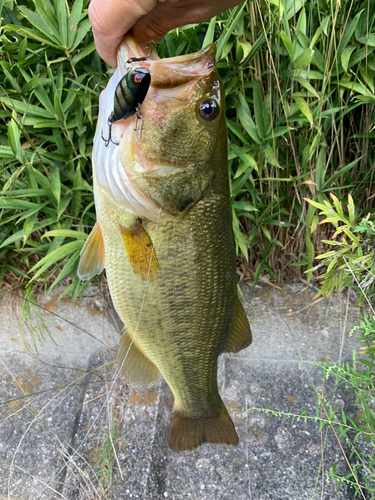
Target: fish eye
pixel 208 109
pixel 137 78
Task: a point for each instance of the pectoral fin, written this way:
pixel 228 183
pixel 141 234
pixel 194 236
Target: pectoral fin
pixel 139 249
pixel 135 366
pixel 92 255
pixel 241 333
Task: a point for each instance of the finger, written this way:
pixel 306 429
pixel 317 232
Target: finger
pixel 111 19
pixel 166 16
pixel 171 14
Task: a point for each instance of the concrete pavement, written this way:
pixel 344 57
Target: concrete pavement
pixel 58 407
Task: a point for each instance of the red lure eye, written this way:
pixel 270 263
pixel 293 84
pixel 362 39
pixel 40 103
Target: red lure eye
pixel 137 78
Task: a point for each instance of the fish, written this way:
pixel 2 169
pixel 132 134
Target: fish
pixel 164 235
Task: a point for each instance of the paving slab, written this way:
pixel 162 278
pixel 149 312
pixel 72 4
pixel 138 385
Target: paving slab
pixel 275 460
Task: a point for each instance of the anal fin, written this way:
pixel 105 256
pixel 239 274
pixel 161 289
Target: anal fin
pixel 92 255
pixel 135 366
pixel 240 337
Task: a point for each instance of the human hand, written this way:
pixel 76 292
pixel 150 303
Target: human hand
pixel 148 20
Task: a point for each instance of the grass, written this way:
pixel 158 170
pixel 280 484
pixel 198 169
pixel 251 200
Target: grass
pixel 299 79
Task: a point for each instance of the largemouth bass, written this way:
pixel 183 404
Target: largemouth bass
pixel 164 235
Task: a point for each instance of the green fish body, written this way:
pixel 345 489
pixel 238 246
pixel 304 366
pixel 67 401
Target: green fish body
pixel 164 235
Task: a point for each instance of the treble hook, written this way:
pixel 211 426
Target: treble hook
pixel 135 59
pixel 107 141
pixel 138 127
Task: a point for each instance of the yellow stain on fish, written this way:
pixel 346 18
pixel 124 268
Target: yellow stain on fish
pixel 164 220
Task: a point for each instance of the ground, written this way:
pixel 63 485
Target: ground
pixel 57 406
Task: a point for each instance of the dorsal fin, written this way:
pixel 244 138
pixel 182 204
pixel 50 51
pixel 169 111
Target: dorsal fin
pixel 241 333
pixel 92 255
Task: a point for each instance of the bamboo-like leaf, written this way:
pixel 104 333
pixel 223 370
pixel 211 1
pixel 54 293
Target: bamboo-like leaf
pixel 243 114
pixel 351 209
pixel 349 30
pixel 345 56
pixel 14 136
pixel 65 233
pixel 34 34
pixel 55 183
pixel 24 107
pixel 62 19
pixel 73 21
pixel 258 111
pixel 307 86
pixel 293 6
pixel 280 5
pixel 288 44
pixel 304 59
pixel 83 53
pixel 210 33
pixel 304 108
pixel 83 28
pixel 48 30
pixel 229 27
pixel 55 256
pixel 269 155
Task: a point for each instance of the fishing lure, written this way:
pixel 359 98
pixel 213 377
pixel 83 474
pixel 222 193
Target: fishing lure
pixel 129 95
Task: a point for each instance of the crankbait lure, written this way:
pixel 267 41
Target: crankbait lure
pixel 129 95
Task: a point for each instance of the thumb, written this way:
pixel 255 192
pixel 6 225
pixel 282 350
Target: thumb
pixel 111 19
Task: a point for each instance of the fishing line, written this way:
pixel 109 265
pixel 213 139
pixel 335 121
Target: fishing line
pixel 117 373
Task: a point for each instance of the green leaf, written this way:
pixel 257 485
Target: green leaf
pixel 10 78
pixel 25 108
pixel 73 21
pixel 243 114
pixel 209 37
pixel 14 136
pixel 62 19
pixel 65 233
pixel 36 20
pixel 83 28
pixel 45 183
pixel 304 108
pixel 341 171
pixel 320 169
pixel 243 154
pixel 269 155
pixel 349 30
pixel 54 257
pixel 34 34
pixel 55 183
pixel 304 59
pixel 288 44
pixel 258 111
pixel 307 86
pixel 345 57
pixel 229 27
pixel 280 5
pixel 83 53
pixel 293 6
pixel 243 206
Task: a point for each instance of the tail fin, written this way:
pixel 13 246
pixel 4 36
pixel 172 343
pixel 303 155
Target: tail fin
pixel 186 433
